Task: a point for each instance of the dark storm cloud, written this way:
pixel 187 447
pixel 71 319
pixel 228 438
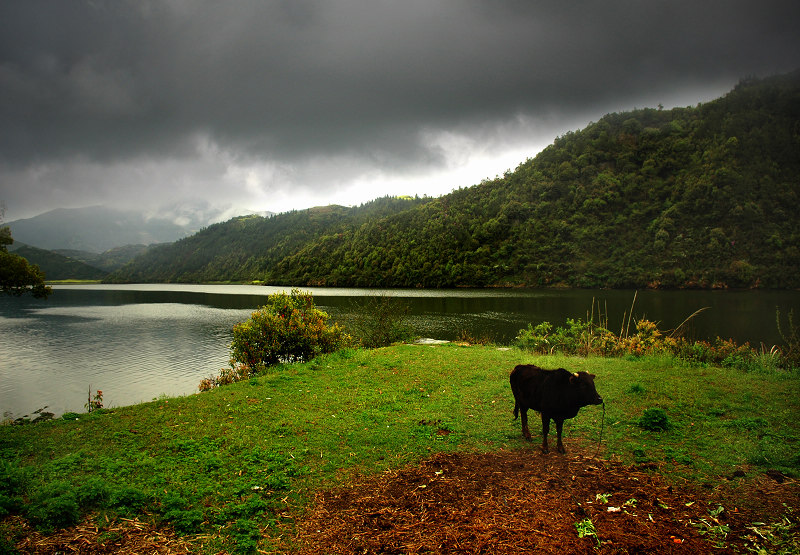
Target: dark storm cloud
pixel 105 82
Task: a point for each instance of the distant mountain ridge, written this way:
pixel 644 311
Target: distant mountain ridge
pixel 703 196
pixel 57 266
pixel 95 229
pixel 108 261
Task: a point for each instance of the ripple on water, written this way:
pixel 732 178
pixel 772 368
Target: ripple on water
pixel 133 353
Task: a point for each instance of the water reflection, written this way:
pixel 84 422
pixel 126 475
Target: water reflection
pixel 133 352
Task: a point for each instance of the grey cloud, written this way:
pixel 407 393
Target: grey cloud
pixel 365 81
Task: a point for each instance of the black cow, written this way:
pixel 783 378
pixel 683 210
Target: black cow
pixel 557 394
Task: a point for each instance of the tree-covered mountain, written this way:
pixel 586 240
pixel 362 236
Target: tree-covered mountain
pixel 108 261
pixel 242 248
pixel 703 196
pixel 57 266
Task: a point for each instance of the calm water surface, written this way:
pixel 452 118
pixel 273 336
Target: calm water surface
pixel 138 342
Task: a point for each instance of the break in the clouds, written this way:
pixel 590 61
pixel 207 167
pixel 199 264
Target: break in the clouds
pixel 273 105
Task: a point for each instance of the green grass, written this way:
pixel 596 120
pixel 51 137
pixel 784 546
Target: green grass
pixel 239 460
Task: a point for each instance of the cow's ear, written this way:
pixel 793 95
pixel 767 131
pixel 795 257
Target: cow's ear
pixel 592 376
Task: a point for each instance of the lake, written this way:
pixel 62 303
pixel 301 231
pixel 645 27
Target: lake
pixel 139 342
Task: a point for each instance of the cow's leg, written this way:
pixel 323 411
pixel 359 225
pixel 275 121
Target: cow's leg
pixel 559 428
pixel 545 433
pixel 525 431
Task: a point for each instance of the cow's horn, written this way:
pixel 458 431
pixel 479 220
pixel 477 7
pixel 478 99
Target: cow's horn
pixel 575 374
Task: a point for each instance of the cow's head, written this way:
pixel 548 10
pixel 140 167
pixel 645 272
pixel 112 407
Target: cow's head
pixel 584 383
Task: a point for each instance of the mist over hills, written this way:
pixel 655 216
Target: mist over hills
pixel 97 229
pixel 701 196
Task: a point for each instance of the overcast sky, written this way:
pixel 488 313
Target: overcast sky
pixel 276 105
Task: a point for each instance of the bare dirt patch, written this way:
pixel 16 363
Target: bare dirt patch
pixel 524 502
pixel 502 502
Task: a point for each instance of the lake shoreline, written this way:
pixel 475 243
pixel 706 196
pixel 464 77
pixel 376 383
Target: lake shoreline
pixel 139 341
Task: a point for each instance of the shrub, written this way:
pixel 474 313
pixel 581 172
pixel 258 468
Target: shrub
pixel 655 420
pixel 380 321
pixel 728 353
pixel 466 337
pixel 573 339
pixel 55 506
pixel 128 500
pixel 577 337
pixel 535 339
pixel 288 329
pixel 94 403
pixel 644 341
pixel 12 478
pixel 12 484
pixel 94 492
pixel 767 360
pixel 246 534
pixel 177 510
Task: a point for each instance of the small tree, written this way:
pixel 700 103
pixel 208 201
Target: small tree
pixel 289 328
pixel 17 277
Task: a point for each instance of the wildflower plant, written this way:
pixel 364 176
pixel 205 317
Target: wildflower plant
pixel 94 402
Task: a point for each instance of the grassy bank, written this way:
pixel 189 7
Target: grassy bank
pixel 225 466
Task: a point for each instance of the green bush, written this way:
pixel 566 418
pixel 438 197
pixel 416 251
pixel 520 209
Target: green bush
pixel 578 337
pixel 12 485
pixel 128 500
pixel 12 478
pixel 178 512
pixel 252 506
pixel 380 321
pixel 535 338
pixel 574 338
pixel 246 534
pixel 94 492
pixel 655 420
pixel 55 506
pixel 288 329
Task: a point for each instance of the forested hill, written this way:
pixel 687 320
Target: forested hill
pixel 706 196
